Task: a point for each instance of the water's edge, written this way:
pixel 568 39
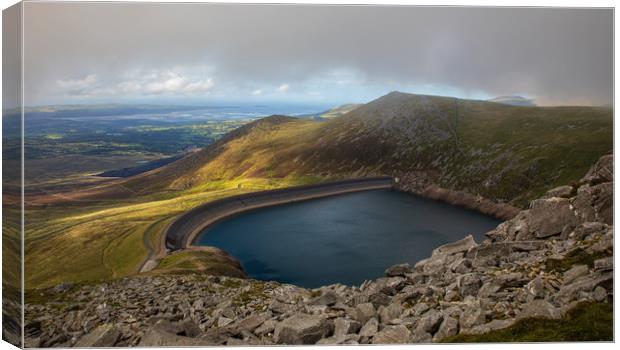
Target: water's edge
pixel 182 233
pixel 184 230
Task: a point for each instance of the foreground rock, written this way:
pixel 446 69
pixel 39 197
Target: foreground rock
pixel 538 264
pixel 302 329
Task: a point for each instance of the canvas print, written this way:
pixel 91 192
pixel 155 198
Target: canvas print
pixel 190 174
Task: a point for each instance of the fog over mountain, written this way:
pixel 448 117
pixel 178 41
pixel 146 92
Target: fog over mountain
pixel 514 100
pixel 203 53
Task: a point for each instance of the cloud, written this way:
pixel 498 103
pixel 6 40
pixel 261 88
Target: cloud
pixel 257 92
pixel 77 85
pixel 201 86
pixel 558 55
pixel 283 88
pixel 154 82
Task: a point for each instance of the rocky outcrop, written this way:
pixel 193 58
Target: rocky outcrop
pixel 539 264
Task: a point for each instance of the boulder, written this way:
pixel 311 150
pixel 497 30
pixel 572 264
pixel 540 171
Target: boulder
pixel 327 298
pixel 211 337
pixel 548 217
pixel 370 328
pixel 390 312
pixel 511 229
pixel 379 299
pixel 249 323
pixel 562 191
pixel 387 285
pixel 343 326
pixel 398 334
pixel 399 270
pixel 488 289
pixel 468 284
pixel 595 203
pixel 448 328
pixel 244 341
pixel 452 295
pixel 279 307
pixel 604 264
pixel 601 171
pixel 333 340
pixel 302 329
pixel 527 246
pixel 491 326
pixel 363 312
pixel 430 321
pixel 415 278
pixel 420 336
pixel 155 337
pixel 266 328
pixel 583 284
pixel 583 204
pixel 587 228
pixel 461 266
pixel 575 272
pixel 492 250
pixel 419 308
pixel 474 314
pixel 186 328
pixel 103 336
pixel 599 294
pixel 413 293
pixel 511 280
pixel 460 246
pixel 435 265
pixel 536 288
pixel 539 308
pixel 224 321
pixel 603 202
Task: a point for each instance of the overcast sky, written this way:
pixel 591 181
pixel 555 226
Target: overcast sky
pixel 201 53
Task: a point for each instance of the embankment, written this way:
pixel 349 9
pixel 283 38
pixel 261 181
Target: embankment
pixel 419 184
pixel 184 230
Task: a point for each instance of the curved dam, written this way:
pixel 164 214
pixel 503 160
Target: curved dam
pixel 182 232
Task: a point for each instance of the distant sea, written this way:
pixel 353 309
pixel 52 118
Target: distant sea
pixel 208 113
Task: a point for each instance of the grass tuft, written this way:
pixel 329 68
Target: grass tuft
pixel 586 322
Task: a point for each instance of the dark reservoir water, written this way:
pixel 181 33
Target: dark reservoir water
pixel 342 239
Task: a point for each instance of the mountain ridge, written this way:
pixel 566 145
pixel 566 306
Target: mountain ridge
pixel 504 153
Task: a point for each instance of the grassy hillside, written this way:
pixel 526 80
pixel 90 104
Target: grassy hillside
pixel 103 240
pixel 502 152
pixel 505 153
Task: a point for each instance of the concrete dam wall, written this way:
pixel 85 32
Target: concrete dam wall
pixel 182 232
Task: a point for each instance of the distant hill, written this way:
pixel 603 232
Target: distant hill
pixel 502 152
pixel 331 113
pixel 514 101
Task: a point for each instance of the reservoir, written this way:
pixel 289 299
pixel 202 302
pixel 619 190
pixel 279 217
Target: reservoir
pixel 344 239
